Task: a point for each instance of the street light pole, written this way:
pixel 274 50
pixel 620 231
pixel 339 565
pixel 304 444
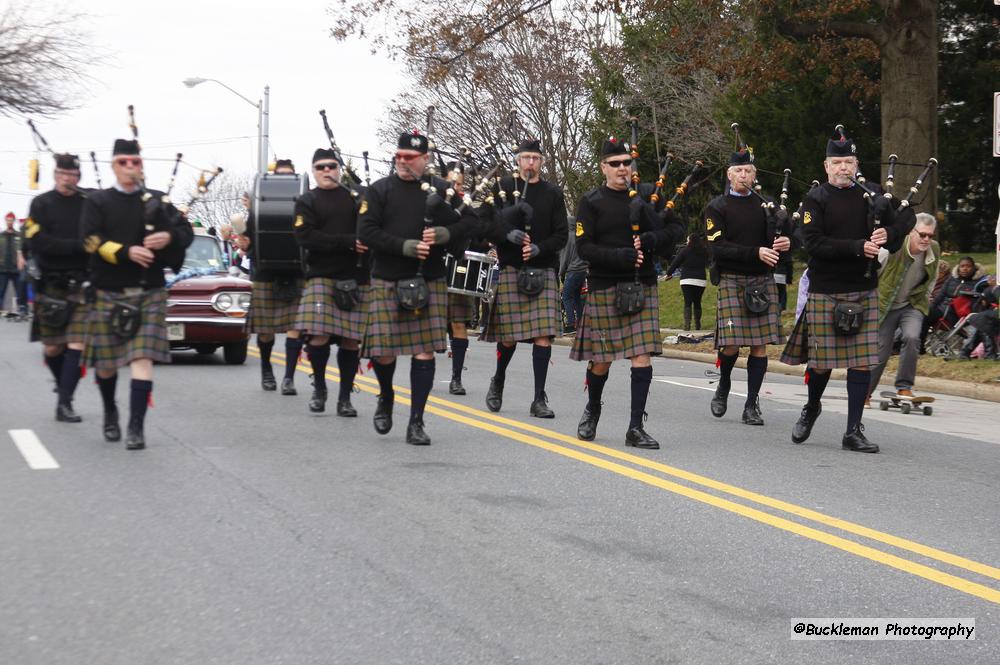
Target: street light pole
pixel 262 117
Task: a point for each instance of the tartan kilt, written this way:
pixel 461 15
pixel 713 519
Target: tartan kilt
pixel 461 309
pixel 268 314
pixel 319 314
pixel 515 317
pixel 814 339
pixel 604 335
pixel 747 329
pixel 393 331
pixel 74 332
pixel 105 350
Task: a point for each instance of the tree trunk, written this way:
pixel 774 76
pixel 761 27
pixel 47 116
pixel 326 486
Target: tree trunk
pixel 909 92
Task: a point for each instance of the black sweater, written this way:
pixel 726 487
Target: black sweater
pixel 114 221
pixel 392 212
pixel 56 241
pixel 737 227
pixel 326 226
pixel 693 262
pixel 604 234
pixel 547 224
pixel 835 225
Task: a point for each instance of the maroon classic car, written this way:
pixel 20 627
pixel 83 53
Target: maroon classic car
pixel 206 306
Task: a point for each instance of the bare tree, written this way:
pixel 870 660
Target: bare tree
pixel 222 201
pixel 42 60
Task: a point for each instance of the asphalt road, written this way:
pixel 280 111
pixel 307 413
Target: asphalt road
pixel 253 532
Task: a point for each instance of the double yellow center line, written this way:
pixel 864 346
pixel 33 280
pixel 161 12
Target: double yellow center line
pixel 581 451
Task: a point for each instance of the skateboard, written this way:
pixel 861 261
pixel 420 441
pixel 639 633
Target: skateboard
pixel 892 400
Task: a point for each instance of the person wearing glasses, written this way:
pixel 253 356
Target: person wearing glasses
pixel 53 231
pixel 904 284
pixel 618 235
pixel 839 325
pixel 407 228
pixel 529 231
pixel 333 306
pixel 747 241
pixel 274 305
pixel 131 234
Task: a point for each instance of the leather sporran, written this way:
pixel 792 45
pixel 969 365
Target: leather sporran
pixel 530 281
pixel 848 316
pixel 630 297
pixel 756 299
pixel 346 294
pixel 54 312
pixel 412 293
pixel 125 319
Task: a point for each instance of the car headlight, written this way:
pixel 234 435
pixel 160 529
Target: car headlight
pixel 244 301
pixel 223 302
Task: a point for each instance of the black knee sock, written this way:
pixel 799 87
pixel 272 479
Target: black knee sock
pixel 292 349
pixel 70 375
pixel 857 391
pixel 139 400
pixel 817 384
pixel 458 349
pixel 107 387
pixel 347 363
pixel 384 375
pixel 421 381
pixel 504 355
pixel 595 388
pixel 55 365
pixel 540 356
pixel 726 365
pixel 319 356
pixel 756 368
pixel 265 352
pixel 641 378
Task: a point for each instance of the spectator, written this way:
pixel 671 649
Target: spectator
pixel 984 326
pixel 959 293
pixel 693 262
pixel 10 265
pixel 573 274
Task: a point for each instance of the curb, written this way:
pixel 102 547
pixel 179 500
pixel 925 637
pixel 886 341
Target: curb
pixel 929 384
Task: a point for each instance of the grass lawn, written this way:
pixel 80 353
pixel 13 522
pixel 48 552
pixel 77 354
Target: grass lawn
pixel 672 316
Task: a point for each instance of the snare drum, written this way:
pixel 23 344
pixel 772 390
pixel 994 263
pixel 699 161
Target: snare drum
pixel 472 275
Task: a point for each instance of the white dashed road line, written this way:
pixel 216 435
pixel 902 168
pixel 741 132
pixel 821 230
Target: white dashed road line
pixel 31 448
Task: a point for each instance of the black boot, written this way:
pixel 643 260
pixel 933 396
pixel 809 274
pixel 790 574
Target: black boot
pixel 752 415
pixel 383 414
pixel 989 348
pixel 267 381
pixel 587 429
pixel 965 353
pixel 317 403
pixel 288 386
pixel 540 407
pixel 345 409
pixel 720 401
pixel 855 440
pixel 636 437
pixel 455 387
pixel 66 414
pixel 804 425
pixel 112 431
pixel 135 439
pixel 494 397
pixel 687 320
pixel 415 434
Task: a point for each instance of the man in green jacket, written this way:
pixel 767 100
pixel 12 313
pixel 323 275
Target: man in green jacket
pixel 904 285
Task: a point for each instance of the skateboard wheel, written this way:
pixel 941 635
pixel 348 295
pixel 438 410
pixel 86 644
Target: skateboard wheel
pixel 904 407
pixel 928 410
pixel 883 406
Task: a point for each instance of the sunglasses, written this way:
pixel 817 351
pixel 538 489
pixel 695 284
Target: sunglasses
pixel 129 161
pixel 326 166
pixel 925 236
pixel 407 158
pixel 616 163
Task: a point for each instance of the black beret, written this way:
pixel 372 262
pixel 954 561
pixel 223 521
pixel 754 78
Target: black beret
pixel 324 153
pixel 125 147
pixel 413 141
pixel 614 147
pixel 67 162
pixel 840 146
pixel 529 145
pixel 741 158
pixel 284 163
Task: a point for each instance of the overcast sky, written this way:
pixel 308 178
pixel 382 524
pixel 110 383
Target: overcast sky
pixel 152 47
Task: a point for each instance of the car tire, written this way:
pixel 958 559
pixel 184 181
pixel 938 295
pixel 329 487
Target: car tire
pixel 236 352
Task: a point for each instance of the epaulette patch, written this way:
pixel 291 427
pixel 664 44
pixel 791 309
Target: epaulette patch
pixel 808 218
pixel 364 207
pixel 299 221
pixel 579 229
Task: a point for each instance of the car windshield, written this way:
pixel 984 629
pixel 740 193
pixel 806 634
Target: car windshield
pixel 204 252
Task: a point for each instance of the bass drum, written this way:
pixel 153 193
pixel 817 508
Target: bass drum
pixel 274 218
